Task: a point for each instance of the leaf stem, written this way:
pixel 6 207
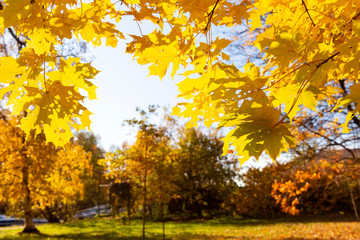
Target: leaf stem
pixel 44 75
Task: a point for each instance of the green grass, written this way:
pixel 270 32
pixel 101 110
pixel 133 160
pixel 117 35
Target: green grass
pixel 110 229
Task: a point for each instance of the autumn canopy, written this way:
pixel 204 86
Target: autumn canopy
pixel 307 46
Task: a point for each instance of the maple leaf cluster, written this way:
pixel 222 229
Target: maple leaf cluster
pixel 306 46
pixel 48 88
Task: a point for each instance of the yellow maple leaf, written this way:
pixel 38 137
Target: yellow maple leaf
pixel 132 1
pixel 74 73
pixel 41 40
pixel 53 110
pixel 13 13
pixel 292 99
pixel 10 68
pixel 257 130
pixel 356 26
pixel 161 57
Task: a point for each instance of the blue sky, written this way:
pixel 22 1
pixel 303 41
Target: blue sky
pixel 123 85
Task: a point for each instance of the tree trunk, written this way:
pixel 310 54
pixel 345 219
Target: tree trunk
pixel 29 224
pixel 129 205
pixel 162 211
pixel 98 200
pixel 50 215
pixel 353 200
pixel 144 205
pixel 162 219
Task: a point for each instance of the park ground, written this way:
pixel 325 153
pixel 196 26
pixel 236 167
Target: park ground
pixel 111 229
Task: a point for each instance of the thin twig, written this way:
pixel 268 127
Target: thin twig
pixel 20 43
pixel 307 11
pixel 303 85
pixel 349 107
pixel 331 140
pixel 328 59
pixel 356 16
pixel 44 76
pixel 211 15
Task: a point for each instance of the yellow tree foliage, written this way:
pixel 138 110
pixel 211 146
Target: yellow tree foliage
pixel 38 171
pixel 307 46
pixel 148 159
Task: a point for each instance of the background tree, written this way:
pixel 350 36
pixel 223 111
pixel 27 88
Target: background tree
pixel 320 186
pixel 253 198
pixel 36 174
pixel 203 177
pixel 143 147
pixel 93 194
pixel 120 196
pixel 320 137
pixel 72 167
pixel 162 169
pixel 133 164
pixel 120 170
pixel 184 165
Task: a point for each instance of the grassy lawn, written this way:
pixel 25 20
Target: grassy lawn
pixel 201 229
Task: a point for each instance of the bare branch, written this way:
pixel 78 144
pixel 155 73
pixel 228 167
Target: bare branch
pixel 335 143
pixel 20 43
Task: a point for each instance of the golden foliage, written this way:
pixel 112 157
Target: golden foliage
pixel 51 174
pixel 306 46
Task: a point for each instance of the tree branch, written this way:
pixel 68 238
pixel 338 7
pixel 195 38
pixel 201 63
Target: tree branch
pixel 20 43
pixel 349 107
pixel 331 140
pixel 211 15
pixel 328 59
pixel 356 16
pixel 307 11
